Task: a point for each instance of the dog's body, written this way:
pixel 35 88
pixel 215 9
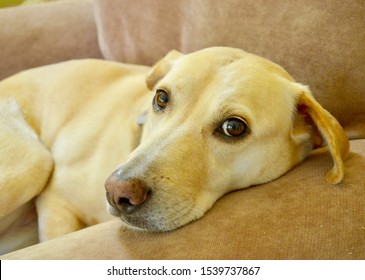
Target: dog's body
pixel 221 119
pixel 79 122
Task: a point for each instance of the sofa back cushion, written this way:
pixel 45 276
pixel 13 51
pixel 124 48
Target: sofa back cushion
pixel 320 42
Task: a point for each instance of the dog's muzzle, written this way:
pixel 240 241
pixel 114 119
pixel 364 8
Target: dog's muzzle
pixel 126 196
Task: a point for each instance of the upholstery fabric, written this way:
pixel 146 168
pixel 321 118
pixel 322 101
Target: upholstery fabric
pixel 320 43
pixel 298 216
pixel 37 35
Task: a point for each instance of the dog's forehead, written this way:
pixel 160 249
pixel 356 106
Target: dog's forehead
pixel 218 58
pixel 223 67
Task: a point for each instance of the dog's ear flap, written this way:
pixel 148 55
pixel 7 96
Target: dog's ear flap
pixel 160 69
pixel 327 130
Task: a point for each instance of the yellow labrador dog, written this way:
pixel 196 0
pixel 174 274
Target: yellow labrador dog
pixel 217 120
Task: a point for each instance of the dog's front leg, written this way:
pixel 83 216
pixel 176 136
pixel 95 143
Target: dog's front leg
pixel 25 163
pixel 56 217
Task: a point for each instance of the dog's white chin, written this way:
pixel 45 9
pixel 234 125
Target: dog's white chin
pixel 150 219
pixel 155 224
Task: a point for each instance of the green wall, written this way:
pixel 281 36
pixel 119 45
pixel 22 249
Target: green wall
pixel 8 3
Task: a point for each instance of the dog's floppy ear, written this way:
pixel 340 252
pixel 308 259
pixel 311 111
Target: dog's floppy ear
pixel 327 130
pixel 160 69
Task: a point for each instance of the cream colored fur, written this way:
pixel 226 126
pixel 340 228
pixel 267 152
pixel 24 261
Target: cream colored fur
pixel 65 128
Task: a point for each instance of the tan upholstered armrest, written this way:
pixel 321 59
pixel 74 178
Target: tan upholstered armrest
pixel 298 216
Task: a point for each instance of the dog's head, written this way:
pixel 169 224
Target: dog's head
pixel 220 120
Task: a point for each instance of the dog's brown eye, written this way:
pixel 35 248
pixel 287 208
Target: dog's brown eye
pixel 161 99
pixel 234 127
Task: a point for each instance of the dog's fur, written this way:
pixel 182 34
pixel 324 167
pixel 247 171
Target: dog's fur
pixel 64 129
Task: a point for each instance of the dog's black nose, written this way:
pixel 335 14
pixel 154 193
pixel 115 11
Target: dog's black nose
pixel 126 195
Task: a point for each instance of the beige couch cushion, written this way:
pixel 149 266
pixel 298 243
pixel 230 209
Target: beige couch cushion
pixel 320 42
pixel 297 216
pixel 32 36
